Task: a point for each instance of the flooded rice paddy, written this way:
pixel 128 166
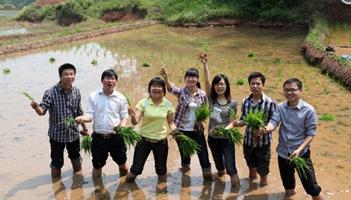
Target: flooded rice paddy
pixel 24 144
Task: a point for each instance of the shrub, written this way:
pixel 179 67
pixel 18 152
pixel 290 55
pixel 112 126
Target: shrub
pixel 70 12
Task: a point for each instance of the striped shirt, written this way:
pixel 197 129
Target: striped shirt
pixel 265 104
pixel 184 100
pixel 62 106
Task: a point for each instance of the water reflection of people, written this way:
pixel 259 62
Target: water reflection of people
pixel 63 101
pixel 59 187
pixel 156 113
pixel 100 192
pixel 126 188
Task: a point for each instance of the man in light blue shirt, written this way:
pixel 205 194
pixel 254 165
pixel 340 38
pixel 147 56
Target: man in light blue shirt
pixel 298 122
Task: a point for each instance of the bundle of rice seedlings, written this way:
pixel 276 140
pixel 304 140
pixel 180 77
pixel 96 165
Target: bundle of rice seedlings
pixel 232 113
pixel 301 165
pixel 233 134
pixel 86 144
pixel 254 120
pixel 28 96
pixel 202 113
pixel 68 121
pixel 129 135
pixel 6 71
pixel 187 145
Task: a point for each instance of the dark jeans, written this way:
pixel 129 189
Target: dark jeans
pixel 142 151
pixel 287 174
pixel 101 146
pixel 258 157
pixel 199 137
pixel 57 149
pixel 223 153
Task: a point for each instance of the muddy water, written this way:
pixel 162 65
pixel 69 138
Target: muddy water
pixel 24 146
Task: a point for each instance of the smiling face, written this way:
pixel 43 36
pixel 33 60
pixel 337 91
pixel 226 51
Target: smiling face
pixel 292 93
pixel 191 81
pixel 256 86
pixel 220 87
pixel 67 77
pixel 156 91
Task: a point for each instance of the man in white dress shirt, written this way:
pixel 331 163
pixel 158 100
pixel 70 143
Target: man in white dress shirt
pixel 108 109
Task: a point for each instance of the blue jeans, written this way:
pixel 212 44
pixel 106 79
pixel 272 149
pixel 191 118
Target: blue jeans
pixel 199 137
pixel 142 151
pixel 223 153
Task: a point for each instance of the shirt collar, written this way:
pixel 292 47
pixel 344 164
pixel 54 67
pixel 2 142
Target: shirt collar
pixel 196 93
pixel 114 93
pixel 298 106
pixel 152 103
pixel 263 96
pixel 60 88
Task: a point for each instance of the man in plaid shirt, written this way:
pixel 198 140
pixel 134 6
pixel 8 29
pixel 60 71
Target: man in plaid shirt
pixel 63 101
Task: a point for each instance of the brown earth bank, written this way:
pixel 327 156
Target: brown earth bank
pixel 75 37
pixel 328 64
pixel 124 15
pixel 48 2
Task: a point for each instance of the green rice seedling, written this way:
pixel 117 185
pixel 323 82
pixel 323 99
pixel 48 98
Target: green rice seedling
pixel 301 165
pixel 128 99
pixel 86 144
pixel 28 96
pixel 251 54
pixel 327 117
pixel 202 113
pixel 187 145
pixel 205 46
pixel 94 62
pixel 68 121
pixel 254 120
pixel 129 135
pixel 52 60
pixel 233 134
pixel 145 64
pixel 6 71
pixel 240 82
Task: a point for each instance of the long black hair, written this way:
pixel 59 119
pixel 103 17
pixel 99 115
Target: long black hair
pixel 216 80
pixel 193 72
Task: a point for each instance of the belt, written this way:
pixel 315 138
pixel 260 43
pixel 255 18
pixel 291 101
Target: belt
pixel 105 135
pixel 153 140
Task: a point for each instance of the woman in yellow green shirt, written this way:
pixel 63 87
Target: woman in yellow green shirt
pixel 156 113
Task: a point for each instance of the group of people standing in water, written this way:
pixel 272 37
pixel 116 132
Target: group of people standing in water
pixel 108 110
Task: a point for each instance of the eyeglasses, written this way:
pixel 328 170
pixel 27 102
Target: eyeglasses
pixel 108 78
pixel 290 89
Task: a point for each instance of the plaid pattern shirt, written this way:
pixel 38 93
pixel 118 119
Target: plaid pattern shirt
pixel 62 105
pixel 183 101
pixel 268 106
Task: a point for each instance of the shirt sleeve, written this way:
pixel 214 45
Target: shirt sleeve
pixel 276 118
pixel 46 101
pixel 272 109
pixel 123 109
pixel 91 107
pixel 242 112
pixel 140 105
pixel 175 90
pixel 170 108
pixel 80 110
pixel 311 123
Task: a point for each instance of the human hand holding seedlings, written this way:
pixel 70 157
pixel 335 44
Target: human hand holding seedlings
pixel 164 72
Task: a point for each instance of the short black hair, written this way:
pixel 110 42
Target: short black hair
pixel 157 81
pixel 257 75
pixel 109 73
pixel 66 66
pixel 293 80
pixel 217 79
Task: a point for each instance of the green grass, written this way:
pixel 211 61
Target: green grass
pixel 327 117
pixel 316 35
pixel 240 82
